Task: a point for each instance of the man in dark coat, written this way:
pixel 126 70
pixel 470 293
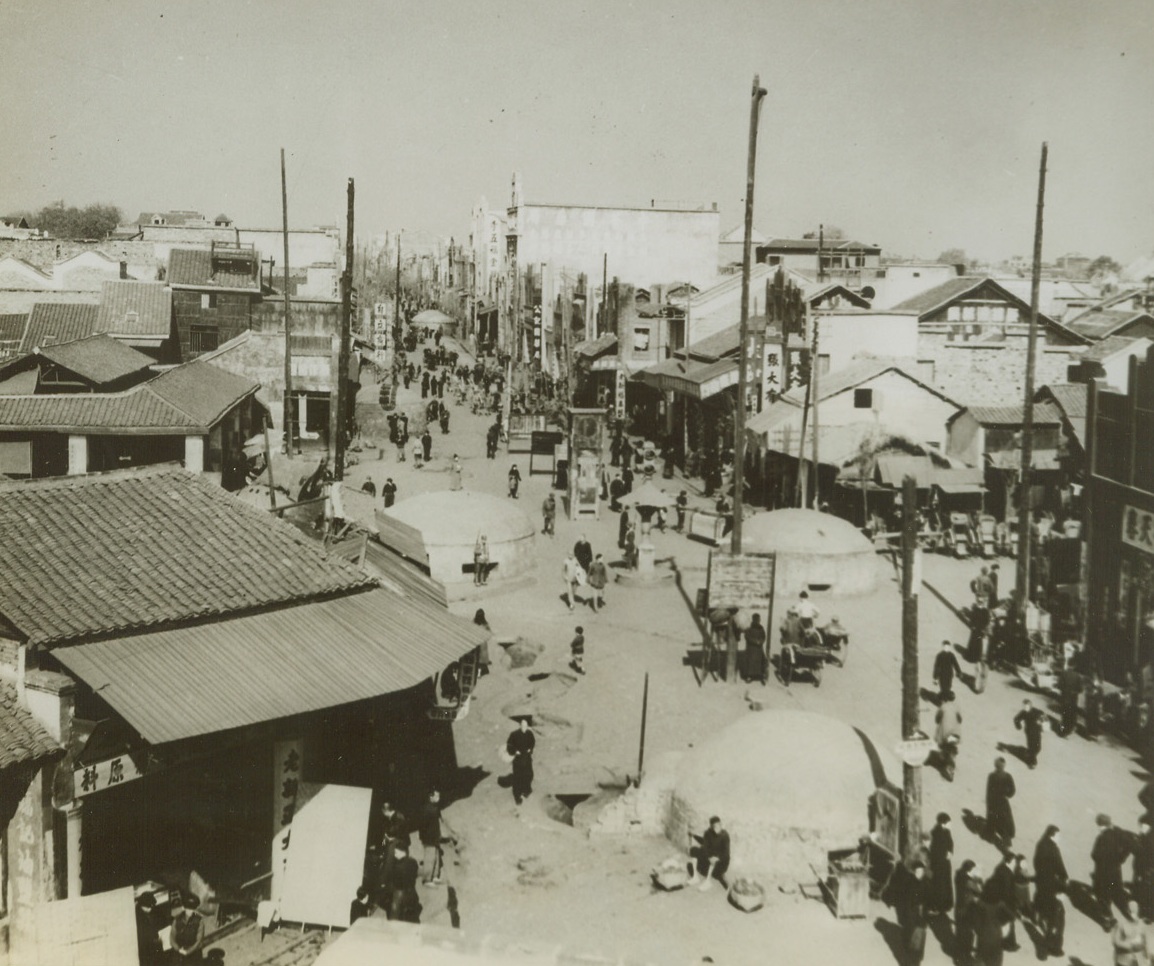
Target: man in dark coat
pixel 427 444
pixel 425 384
pixel 940 898
pixel 520 746
pixel 1142 888
pixel 1031 720
pixel 583 551
pixel 1000 891
pixel 405 905
pixel 1111 848
pixel 756 665
pixel 1049 883
pixel 1069 687
pixel 945 668
pixel 1000 789
pixel 394 832
pixel 389 492
pixel 907 891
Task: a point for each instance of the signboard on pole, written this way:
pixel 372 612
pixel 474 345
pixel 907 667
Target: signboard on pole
pixel 537 334
pixel 741 580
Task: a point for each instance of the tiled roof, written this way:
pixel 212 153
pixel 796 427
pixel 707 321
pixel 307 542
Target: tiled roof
pixel 812 244
pixel 185 400
pixel 591 348
pixel 140 549
pixel 55 322
pixel 1099 323
pixel 203 391
pixel 22 737
pixel 135 309
pixel 193 268
pixel 719 344
pixel 98 358
pixel 1044 413
pixel 12 325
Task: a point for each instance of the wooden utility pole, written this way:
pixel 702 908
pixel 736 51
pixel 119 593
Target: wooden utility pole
pixel 743 348
pixel 603 327
pixel 644 717
pixel 288 362
pixel 1024 530
pixel 814 378
pixel 342 400
pixel 911 724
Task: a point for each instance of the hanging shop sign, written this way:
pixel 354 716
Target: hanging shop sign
pixel 104 774
pixel 537 334
pixel 1138 528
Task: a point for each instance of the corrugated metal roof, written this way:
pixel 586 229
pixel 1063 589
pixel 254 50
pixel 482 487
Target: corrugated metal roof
pixel 1044 412
pixel 98 358
pixel 130 550
pixel 394 571
pixel 197 680
pixel 142 309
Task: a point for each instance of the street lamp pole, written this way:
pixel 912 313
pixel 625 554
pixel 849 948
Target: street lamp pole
pixel 743 350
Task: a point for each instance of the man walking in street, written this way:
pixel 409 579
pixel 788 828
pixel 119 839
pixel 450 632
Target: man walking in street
pixel 1000 891
pixel 427 444
pixel 481 560
pixel 520 746
pixel 514 480
pixel 394 832
pixel 401 883
pixel 999 813
pixel 598 578
pixel 1111 848
pixel 1031 720
pixel 945 668
pixel 682 507
pixel 1069 688
pixel 907 891
pixel 1050 880
pixel 549 514
pixel 570 570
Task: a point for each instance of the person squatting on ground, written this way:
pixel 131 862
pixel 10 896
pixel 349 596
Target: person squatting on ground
pixel 520 746
pixel 711 855
pixel 577 651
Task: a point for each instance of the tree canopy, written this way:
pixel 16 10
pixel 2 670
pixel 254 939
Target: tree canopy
pixel 69 222
pixel 1103 265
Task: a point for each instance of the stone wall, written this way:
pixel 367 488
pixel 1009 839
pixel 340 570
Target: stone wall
pixel 143 261
pixel 991 374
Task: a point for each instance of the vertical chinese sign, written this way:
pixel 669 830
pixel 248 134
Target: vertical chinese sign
pixel 288 761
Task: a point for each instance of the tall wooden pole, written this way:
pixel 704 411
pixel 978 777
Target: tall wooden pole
pixel 743 350
pixel 644 717
pixel 288 363
pixel 603 327
pixel 911 724
pixel 1024 545
pixel 342 381
pixel 815 378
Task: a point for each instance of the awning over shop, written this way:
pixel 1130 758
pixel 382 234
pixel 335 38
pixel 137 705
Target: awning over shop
pixel 957 488
pixel 1011 459
pixel 210 677
pixel 700 380
pixel 892 468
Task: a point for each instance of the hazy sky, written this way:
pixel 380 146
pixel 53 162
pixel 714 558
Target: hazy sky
pixel 915 124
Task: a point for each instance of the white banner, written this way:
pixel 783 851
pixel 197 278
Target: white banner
pixel 1138 528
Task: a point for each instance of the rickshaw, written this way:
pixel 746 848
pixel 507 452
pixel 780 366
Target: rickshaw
pixel 958 536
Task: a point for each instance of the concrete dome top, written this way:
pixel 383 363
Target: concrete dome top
pixel 802 531
pixel 789 769
pixel 456 517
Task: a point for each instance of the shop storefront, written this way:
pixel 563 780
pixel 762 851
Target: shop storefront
pixel 1120 525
